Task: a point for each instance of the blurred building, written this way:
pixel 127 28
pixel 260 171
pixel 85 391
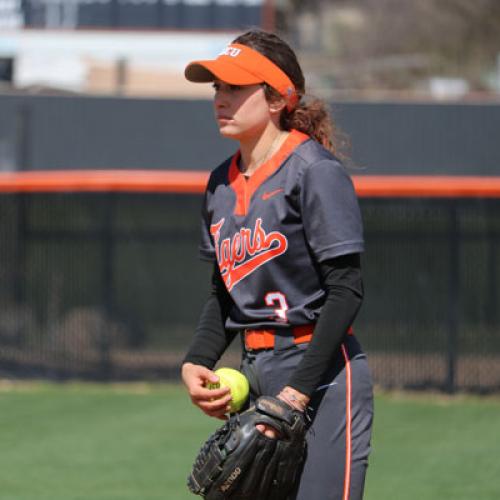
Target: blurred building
pixel 349 49
pixel 126 47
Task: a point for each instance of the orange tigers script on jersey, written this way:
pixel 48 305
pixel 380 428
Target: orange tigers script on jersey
pixel 242 254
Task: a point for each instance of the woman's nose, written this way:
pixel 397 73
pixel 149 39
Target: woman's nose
pixel 220 101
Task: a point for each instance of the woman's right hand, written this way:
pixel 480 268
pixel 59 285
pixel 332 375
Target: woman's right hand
pixel 213 402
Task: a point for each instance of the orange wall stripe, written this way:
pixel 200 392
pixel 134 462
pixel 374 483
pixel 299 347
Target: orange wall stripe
pixel 172 181
pixel 400 186
pixel 149 181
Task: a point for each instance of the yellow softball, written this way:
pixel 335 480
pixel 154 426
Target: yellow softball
pixel 237 382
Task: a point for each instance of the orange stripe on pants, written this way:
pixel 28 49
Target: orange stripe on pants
pixel 348 390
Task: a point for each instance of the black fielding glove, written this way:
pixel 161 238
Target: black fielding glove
pixel 239 462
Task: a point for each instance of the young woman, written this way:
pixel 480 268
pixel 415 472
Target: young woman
pixel 281 224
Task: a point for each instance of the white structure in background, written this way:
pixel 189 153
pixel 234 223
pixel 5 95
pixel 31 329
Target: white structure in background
pixel 10 14
pixel 147 59
pixel 448 88
pixel 90 61
pixel 498 73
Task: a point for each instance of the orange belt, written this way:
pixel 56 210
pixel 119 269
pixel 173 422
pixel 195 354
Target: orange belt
pixel 264 339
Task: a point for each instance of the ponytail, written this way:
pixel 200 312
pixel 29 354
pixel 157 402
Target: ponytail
pixel 314 119
pixel 311 118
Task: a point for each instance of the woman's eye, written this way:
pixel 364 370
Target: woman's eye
pixel 226 87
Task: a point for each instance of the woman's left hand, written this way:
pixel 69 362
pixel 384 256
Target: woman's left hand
pixel 292 397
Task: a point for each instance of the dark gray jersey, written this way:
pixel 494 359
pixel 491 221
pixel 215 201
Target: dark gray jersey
pixel 268 232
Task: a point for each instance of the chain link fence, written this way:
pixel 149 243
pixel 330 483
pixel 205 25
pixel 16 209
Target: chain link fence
pixel 108 286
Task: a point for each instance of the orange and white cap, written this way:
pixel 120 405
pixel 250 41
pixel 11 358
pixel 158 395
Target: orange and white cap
pixel 240 65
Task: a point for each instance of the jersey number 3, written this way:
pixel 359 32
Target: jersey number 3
pixel 279 299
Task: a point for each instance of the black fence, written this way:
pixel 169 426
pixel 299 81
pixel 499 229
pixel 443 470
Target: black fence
pixel 108 286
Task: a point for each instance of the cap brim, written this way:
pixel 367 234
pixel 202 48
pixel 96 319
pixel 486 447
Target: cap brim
pixel 218 69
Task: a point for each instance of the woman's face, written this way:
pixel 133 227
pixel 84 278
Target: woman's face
pixel 242 112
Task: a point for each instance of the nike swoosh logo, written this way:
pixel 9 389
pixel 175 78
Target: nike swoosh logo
pixel 268 195
pixel 321 387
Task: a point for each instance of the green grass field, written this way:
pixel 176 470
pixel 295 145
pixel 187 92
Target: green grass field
pixel 110 442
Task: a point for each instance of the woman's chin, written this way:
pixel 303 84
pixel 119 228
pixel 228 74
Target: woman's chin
pixel 229 132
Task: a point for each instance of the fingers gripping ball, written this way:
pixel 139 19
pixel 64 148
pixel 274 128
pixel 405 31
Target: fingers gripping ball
pixel 237 382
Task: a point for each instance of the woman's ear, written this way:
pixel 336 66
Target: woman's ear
pixel 276 106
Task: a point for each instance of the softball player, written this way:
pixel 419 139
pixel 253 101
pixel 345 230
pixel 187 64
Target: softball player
pixel 281 224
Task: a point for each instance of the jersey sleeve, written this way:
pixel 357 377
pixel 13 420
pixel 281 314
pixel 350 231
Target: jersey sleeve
pixel 330 211
pixel 206 248
pixel 217 177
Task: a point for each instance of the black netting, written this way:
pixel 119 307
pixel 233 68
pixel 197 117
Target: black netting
pixel 109 286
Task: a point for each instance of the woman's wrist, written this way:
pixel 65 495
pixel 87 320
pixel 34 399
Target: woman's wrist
pixel 294 398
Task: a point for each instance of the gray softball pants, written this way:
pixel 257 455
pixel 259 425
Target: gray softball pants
pixel 341 414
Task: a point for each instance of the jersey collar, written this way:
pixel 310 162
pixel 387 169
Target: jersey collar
pixel 245 188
